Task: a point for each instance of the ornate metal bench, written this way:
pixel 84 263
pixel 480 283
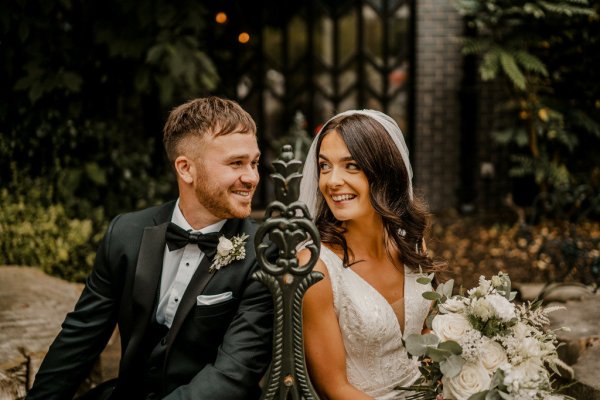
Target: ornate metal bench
pixel 287 225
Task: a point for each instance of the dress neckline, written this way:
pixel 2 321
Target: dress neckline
pixel 381 297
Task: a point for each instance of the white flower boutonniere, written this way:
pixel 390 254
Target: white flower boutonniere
pixel 229 250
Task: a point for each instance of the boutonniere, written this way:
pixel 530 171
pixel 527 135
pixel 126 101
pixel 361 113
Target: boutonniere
pixel 229 250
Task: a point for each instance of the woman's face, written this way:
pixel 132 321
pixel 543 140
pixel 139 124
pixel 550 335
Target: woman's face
pixel 342 183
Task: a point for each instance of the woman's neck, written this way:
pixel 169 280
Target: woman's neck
pixel 366 238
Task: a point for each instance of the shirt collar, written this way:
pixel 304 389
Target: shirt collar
pixel 179 219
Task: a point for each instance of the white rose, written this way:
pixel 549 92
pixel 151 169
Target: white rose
pixel 453 306
pixel 471 379
pixel 503 308
pixel 224 247
pixel 450 326
pixel 492 355
pixel 482 309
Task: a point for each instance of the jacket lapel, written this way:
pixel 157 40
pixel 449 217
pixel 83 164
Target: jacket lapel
pixel 147 274
pixel 198 283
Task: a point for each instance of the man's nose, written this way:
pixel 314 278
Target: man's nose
pixel 250 175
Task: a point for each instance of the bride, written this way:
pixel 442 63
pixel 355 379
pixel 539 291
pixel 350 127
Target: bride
pixel 357 186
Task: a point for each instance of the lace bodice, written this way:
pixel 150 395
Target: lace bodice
pixel 376 360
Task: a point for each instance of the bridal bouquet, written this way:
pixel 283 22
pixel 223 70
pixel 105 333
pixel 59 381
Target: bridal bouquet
pixel 484 346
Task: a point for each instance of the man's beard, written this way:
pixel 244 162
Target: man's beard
pixel 219 202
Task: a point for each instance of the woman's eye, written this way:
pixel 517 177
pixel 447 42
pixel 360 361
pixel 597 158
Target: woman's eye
pixel 352 166
pixel 323 166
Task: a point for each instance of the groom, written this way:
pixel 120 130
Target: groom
pixel 188 330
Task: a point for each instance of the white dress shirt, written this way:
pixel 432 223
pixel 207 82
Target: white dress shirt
pixel 178 268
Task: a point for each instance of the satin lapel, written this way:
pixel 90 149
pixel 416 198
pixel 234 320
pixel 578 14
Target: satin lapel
pixel 198 282
pixel 147 276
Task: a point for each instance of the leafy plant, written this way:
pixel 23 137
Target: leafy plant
pixel 537 48
pixel 85 87
pixel 36 232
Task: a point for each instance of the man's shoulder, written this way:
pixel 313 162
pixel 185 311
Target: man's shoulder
pixel 249 226
pixel 141 219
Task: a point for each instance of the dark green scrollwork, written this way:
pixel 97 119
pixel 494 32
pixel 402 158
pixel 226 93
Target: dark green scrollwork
pixel 287 225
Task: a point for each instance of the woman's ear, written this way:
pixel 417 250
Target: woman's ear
pixel 185 169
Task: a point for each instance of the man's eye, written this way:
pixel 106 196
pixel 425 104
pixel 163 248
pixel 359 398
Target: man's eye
pixel 236 163
pixel 255 164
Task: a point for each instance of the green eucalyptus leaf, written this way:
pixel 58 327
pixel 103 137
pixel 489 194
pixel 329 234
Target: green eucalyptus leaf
pixel 452 346
pixel 448 288
pixel 452 366
pixel 478 396
pixel 438 355
pixel 432 295
pixel 497 379
pixel 493 394
pixel 417 345
pixel 423 280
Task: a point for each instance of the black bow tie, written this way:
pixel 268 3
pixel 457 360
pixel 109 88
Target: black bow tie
pixel 177 237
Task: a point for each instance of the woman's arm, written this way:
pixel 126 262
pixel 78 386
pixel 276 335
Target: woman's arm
pixel 324 347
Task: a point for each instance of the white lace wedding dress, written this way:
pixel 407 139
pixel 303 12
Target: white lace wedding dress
pixel 376 360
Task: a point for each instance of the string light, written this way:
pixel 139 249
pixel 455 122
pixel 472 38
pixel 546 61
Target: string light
pixel 244 37
pixel 221 18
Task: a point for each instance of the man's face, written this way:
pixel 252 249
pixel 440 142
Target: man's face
pixel 227 174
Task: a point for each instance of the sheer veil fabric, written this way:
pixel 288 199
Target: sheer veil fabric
pixel 309 185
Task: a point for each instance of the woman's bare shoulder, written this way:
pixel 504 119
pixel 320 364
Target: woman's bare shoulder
pixel 304 257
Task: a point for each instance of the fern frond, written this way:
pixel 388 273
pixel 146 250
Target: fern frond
pixel 564 8
pixel 530 62
pixel 505 136
pixel 584 121
pixel 475 45
pixel 569 139
pixel 488 69
pixel 511 69
pixel 533 9
pixel 467 7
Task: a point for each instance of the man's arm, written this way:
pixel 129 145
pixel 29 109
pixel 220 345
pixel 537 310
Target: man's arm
pixel 244 355
pixel 83 335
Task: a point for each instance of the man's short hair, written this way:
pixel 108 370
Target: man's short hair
pixel 200 117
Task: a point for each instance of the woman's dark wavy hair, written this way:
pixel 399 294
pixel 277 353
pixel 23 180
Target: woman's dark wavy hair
pixel 404 220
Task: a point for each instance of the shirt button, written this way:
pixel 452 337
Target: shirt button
pixel 187 264
pixel 176 299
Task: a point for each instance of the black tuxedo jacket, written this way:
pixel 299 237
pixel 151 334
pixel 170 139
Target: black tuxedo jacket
pixel 210 352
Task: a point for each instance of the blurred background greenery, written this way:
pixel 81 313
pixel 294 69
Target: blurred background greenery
pixel 85 88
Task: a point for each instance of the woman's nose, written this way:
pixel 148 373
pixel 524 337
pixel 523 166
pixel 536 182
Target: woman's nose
pixel 335 178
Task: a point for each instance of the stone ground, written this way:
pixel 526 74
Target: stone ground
pixel 582 350
pixel 33 305
pixel 32 308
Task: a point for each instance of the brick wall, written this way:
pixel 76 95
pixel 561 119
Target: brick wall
pixel 437 107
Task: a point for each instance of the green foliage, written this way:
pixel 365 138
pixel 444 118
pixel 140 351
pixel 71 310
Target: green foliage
pixel 548 52
pixel 36 232
pixel 85 89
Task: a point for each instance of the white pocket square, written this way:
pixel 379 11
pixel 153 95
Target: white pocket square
pixel 210 299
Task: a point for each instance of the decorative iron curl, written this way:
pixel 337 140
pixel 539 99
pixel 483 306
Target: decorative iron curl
pixel 288 226
pixel 291 228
